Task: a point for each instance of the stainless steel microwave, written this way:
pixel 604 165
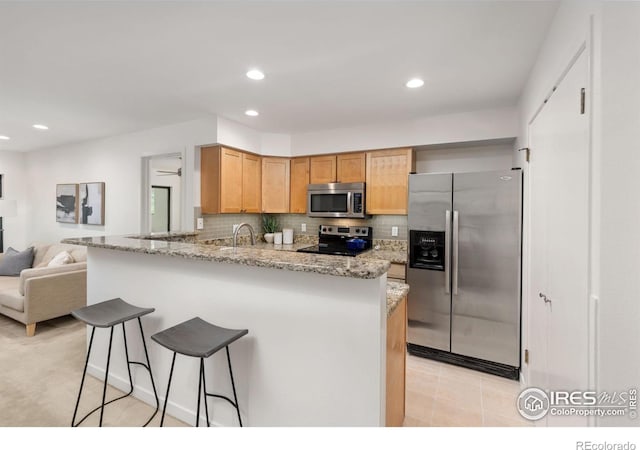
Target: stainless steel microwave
pixel 336 200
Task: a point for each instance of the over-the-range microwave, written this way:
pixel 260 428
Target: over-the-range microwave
pixel 336 200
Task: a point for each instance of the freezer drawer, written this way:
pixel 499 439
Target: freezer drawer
pixel 429 309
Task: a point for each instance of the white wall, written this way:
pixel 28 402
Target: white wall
pixel 236 135
pixel 464 158
pixel 117 162
pixel 275 144
pixel 15 187
pixel 619 306
pixel 461 127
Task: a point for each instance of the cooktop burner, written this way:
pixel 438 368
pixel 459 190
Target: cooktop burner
pixel 342 241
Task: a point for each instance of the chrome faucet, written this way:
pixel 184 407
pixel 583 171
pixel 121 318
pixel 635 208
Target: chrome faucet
pixel 235 234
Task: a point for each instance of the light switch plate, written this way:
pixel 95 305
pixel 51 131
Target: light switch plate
pixel 235 225
pixel 303 227
pixel 394 231
pixel 200 223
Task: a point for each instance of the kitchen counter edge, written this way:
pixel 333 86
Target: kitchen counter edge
pixel 293 261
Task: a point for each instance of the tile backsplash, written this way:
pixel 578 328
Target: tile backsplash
pixel 221 225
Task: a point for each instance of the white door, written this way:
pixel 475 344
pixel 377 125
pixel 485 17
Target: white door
pixel 559 242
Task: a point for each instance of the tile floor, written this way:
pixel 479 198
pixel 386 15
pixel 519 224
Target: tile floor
pixel 443 395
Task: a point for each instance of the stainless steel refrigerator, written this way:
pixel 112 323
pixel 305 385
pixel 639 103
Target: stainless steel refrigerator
pixel 465 269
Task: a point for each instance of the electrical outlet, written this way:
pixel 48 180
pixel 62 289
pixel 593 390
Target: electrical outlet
pixel 394 231
pixel 303 227
pixel 235 226
pixel 200 223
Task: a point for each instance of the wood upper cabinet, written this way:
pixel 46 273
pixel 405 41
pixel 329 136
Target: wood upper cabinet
pixel 322 169
pixel 340 168
pixel 251 183
pixel 351 167
pixel 230 181
pixel 299 182
pixel 275 185
pixel 388 180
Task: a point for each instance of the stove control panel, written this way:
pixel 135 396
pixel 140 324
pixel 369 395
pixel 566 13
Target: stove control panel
pixel 335 230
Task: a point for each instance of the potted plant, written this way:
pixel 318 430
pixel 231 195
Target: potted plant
pixel 269 226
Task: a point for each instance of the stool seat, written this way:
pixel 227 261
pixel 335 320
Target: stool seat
pixel 197 338
pixel 109 313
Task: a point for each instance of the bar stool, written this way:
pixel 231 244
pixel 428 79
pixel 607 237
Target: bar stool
pixel 108 314
pixel 199 339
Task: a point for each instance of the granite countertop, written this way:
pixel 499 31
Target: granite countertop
pixel 394 256
pixel 249 256
pixel 395 293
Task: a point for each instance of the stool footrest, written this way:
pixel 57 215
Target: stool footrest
pixel 222 396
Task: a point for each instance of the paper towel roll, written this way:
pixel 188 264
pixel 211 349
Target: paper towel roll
pixel 287 235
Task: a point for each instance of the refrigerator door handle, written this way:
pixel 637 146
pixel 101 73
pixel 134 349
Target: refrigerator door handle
pixel 456 233
pixel 447 251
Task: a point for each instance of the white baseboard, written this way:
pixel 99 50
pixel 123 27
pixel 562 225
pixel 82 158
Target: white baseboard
pixel 146 396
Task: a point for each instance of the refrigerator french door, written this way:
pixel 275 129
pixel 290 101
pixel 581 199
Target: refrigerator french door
pixel 465 268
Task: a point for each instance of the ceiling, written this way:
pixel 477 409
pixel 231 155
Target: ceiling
pixel 96 69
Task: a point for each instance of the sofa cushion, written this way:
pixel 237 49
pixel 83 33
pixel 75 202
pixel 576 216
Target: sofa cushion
pixel 61 259
pixel 40 249
pixel 42 271
pixel 78 253
pixel 15 262
pixel 9 295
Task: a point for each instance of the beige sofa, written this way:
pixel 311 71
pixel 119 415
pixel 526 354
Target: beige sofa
pixel 43 293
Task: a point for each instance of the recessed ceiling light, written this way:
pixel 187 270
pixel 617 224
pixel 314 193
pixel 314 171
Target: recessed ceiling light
pixel 5 138
pixel 255 74
pixel 251 112
pixel 414 83
pixel 40 127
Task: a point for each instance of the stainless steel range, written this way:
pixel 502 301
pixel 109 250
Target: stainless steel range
pixel 343 241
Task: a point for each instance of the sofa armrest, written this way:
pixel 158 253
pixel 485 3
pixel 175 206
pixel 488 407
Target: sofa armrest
pixel 54 295
pixel 42 271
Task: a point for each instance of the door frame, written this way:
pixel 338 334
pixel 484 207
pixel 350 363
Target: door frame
pixel 145 189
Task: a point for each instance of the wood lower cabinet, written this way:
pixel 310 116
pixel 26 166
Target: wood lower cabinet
pixel 230 181
pixel 350 167
pixel 275 185
pixel 396 364
pixel 322 169
pixel 397 272
pixel 388 180
pixel 299 182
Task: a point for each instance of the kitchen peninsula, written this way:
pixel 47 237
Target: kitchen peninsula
pixel 315 354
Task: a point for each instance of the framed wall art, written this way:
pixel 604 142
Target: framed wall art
pixel 91 203
pixel 67 203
